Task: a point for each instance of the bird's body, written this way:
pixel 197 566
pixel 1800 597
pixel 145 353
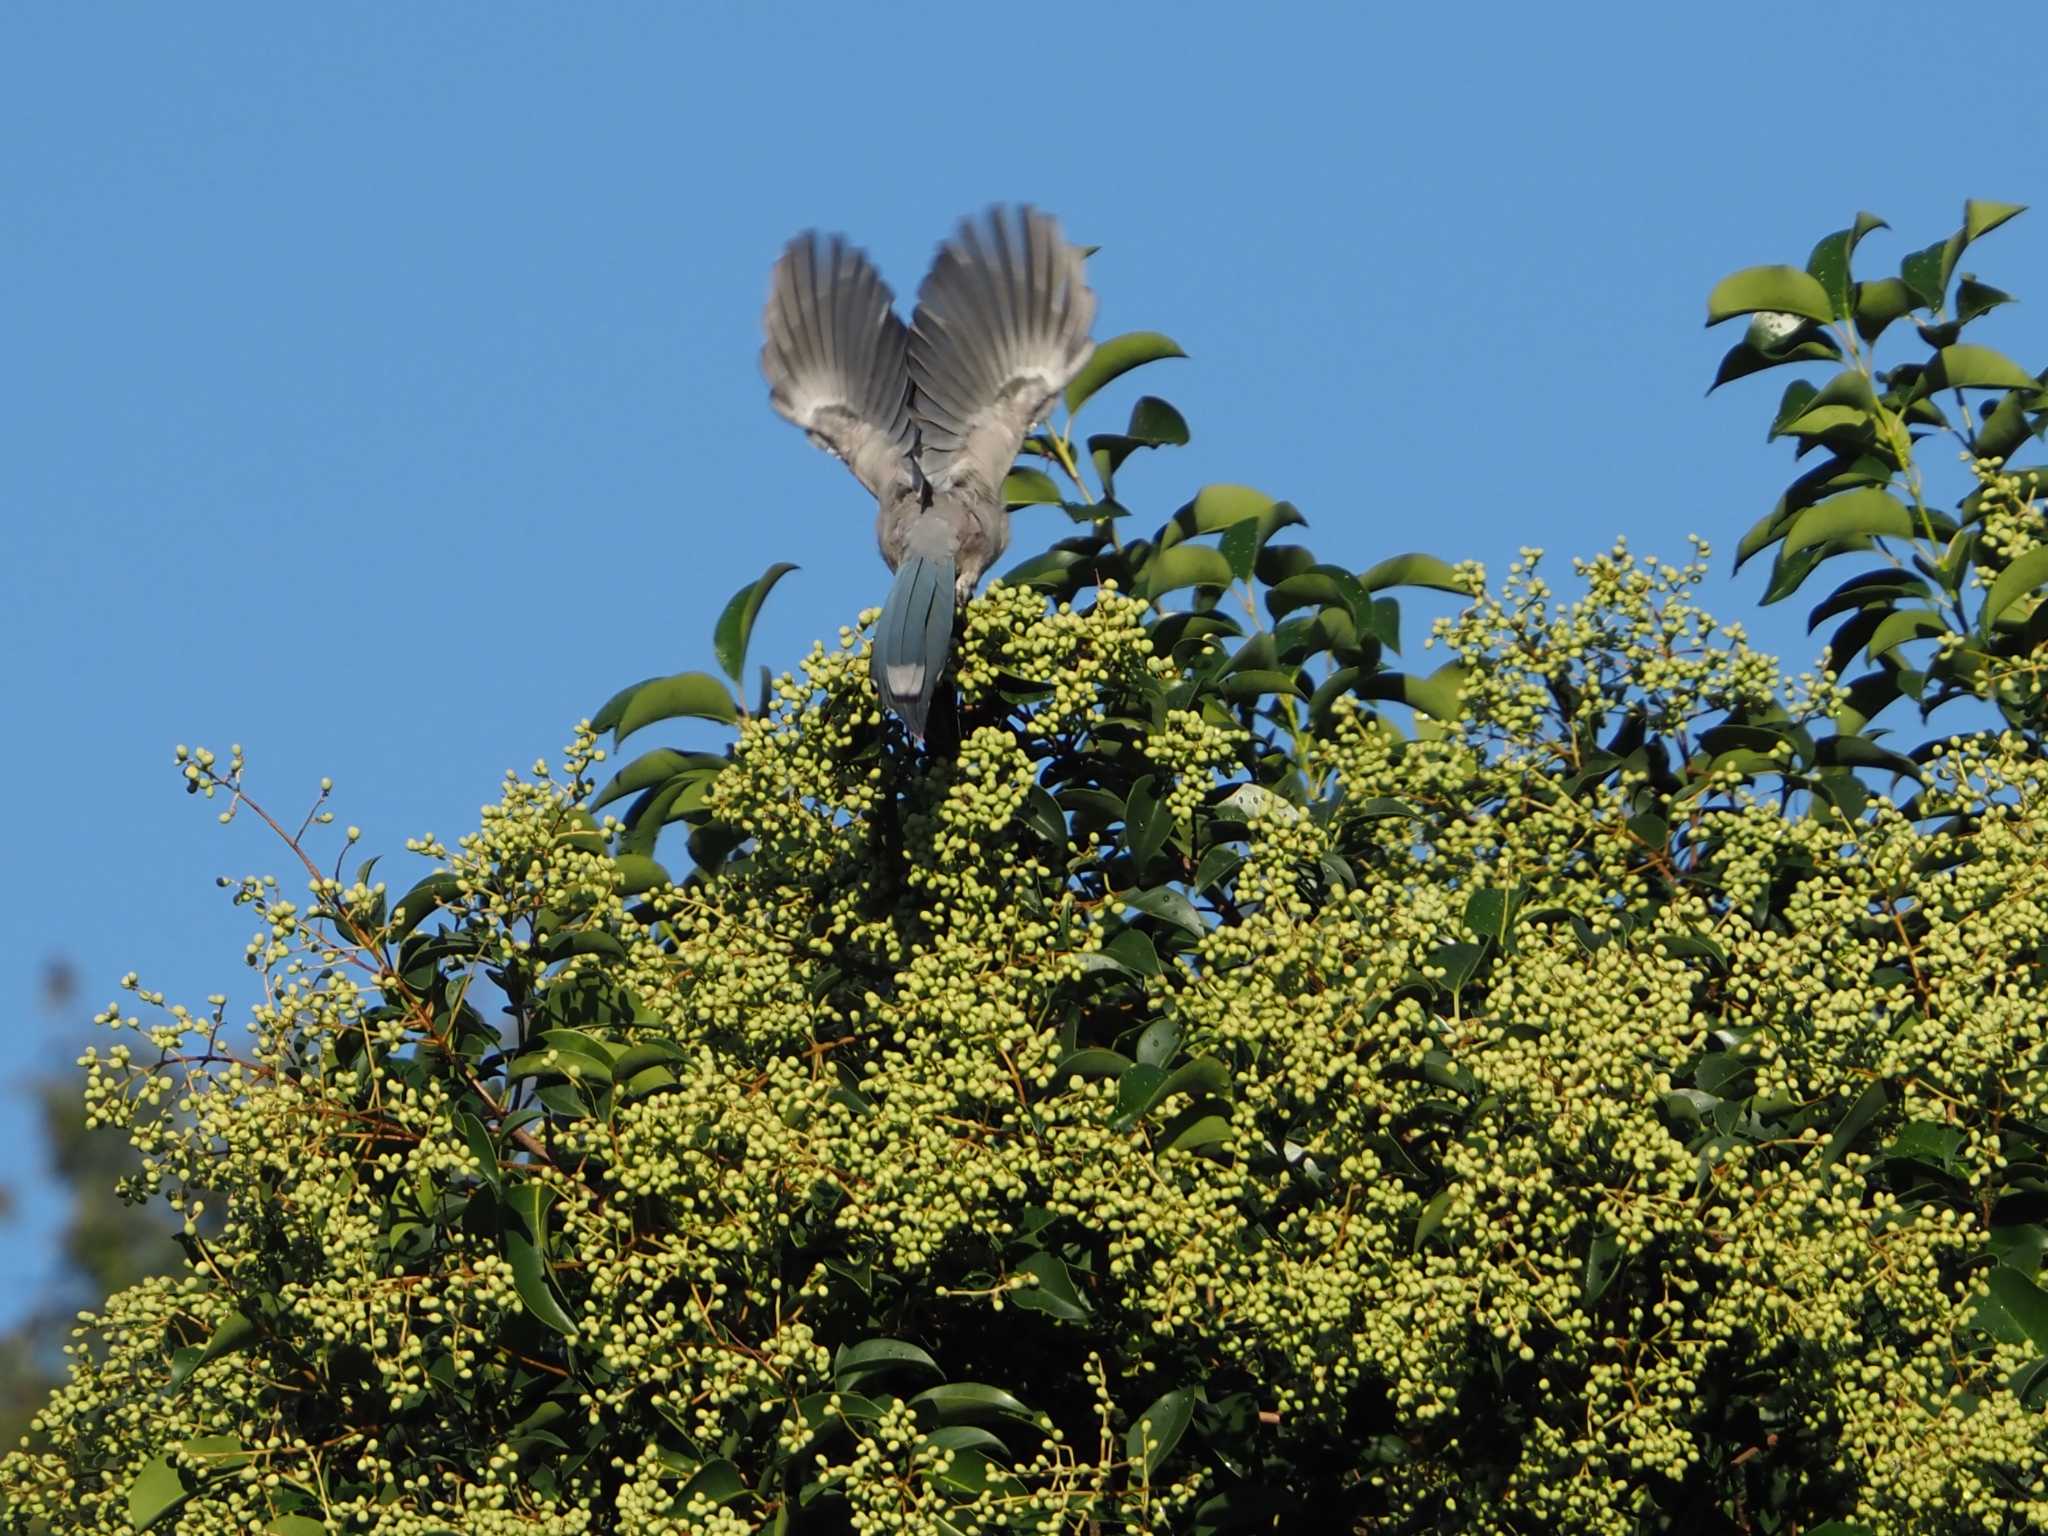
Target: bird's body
pixel 929 417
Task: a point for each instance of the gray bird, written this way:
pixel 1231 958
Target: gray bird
pixel 929 418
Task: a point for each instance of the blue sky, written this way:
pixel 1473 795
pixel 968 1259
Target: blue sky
pixel 378 385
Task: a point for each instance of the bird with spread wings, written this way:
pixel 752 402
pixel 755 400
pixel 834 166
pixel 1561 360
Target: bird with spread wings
pixel 929 417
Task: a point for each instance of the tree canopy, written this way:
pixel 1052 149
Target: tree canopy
pixel 1262 1065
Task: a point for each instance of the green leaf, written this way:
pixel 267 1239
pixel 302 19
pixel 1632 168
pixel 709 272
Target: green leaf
pixel 1865 511
pixel 1158 1430
pixel 1880 302
pixel 422 901
pixel 157 1491
pixel 1217 866
pixel 1414 570
pixel 870 1358
pixel 1431 1218
pixel 1184 565
pixel 1054 1293
pixel 1156 423
pixel 1091 1061
pixel 1967 367
pixel 1926 271
pixel 1980 218
pixel 1030 488
pixel 235 1333
pixel 2024 576
pixel 1487 912
pixel 1199 1125
pixel 1147 825
pixel 1116 357
pixel 639 874
pixel 1786 290
pixel 955 1401
pixel 648 770
pixel 695 695
pixel 736 625
pixel 615 706
pixel 1166 904
pixel 1905 625
pixel 1866 1109
pixel 1975 300
pixel 526 1251
pixel 1437 694
pixel 1240 548
pixel 1830 263
pixel 717 1482
pixel 1217 507
pixel 296 1525
pixel 2014 1307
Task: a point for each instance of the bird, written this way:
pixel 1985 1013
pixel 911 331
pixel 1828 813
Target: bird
pixel 929 417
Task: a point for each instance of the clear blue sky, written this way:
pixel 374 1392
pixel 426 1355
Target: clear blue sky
pixel 378 385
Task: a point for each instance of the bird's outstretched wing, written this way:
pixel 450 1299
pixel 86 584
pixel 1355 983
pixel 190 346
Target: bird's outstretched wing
pixel 836 360
pixel 1001 326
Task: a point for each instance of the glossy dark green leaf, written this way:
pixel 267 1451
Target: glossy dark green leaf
pixel 639 874
pixel 644 772
pixel 1782 289
pixel 296 1525
pixel 525 1250
pixel 1926 272
pixel 1199 1125
pixel 1486 914
pixel 686 695
pixel 1215 508
pixel 1148 823
pixel 2023 578
pixel 157 1491
pixel 1868 1106
pixel 1432 1217
pixel 1866 511
pixel 1053 1292
pixel 1114 358
pixel 422 901
pixel 608 716
pixel 1239 547
pixel 235 1333
pixel 1879 302
pixel 1437 694
pixel 1184 565
pixel 1169 906
pixel 1853 751
pixel 1132 951
pixel 2014 1307
pixel 1091 1061
pixel 1602 1264
pixel 736 624
pixel 1902 627
pixel 1047 570
pixel 1742 359
pixel 872 1358
pixel 1980 217
pixel 957 1401
pixel 1414 570
pixel 1155 422
pixel 1030 488
pixel 1158 1430
pixel 1217 866
pixel 1967 367
pixel 1832 259
pixel 1158 1042
pixel 716 1482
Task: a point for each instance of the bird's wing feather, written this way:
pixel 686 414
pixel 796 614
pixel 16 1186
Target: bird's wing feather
pixel 835 357
pixel 1001 326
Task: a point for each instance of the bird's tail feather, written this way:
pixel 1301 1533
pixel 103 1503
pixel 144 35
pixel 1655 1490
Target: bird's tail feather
pixel 914 637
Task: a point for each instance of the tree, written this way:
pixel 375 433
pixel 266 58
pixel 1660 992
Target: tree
pixel 1227 1083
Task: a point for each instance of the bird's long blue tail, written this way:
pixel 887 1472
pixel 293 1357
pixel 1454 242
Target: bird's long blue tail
pixel 914 637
